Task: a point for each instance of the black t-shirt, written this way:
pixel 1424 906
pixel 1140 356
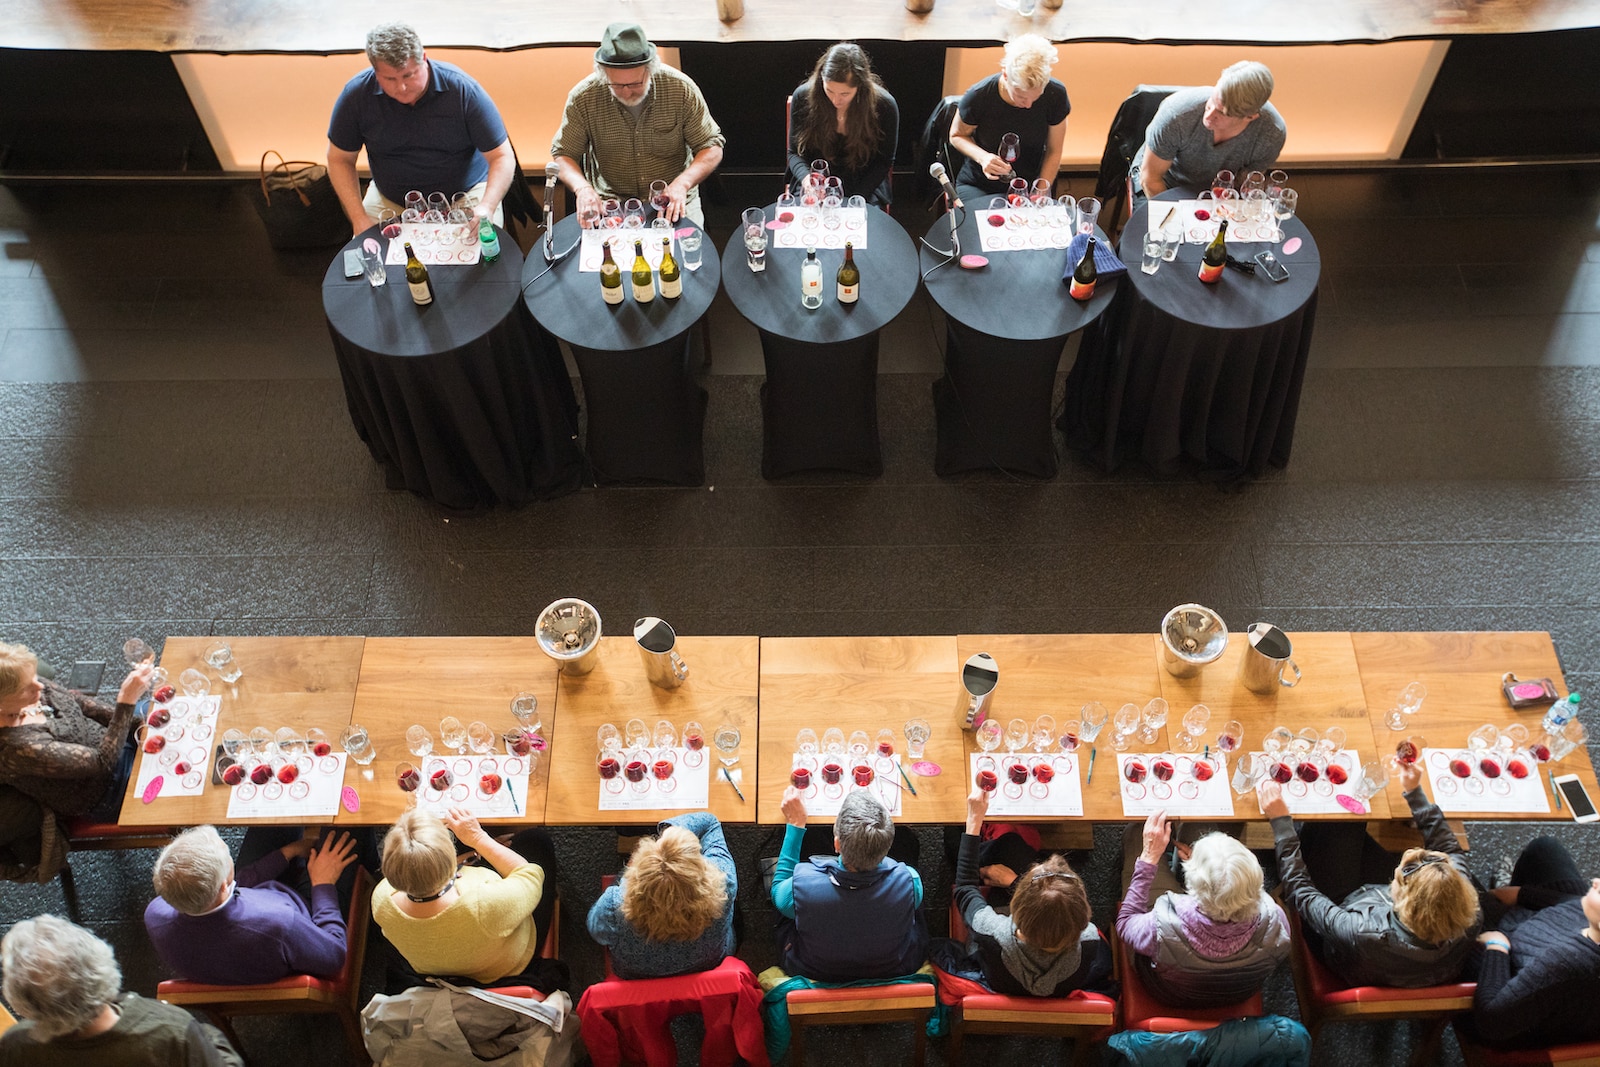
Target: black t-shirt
pixel 982 106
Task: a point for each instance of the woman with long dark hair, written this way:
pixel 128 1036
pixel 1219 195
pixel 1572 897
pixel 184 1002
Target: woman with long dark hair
pixel 844 115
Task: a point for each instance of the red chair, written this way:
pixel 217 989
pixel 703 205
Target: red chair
pixel 1142 1010
pixel 1586 1054
pixel 298 993
pixel 1324 998
pixel 1086 1018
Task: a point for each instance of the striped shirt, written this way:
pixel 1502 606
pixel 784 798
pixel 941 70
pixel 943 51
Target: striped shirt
pixel 620 154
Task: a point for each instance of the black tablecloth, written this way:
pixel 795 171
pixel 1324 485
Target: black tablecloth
pixel 646 412
pixel 819 404
pixel 467 401
pixel 1006 325
pixel 1187 375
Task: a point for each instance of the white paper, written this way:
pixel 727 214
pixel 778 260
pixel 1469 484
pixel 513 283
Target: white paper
pixel 276 801
pixel 1012 237
pixel 1201 231
pixel 887 785
pixel 431 248
pixel 1504 795
pixel 466 774
pixel 591 249
pixel 195 746
pixel 1321 796
pixel 1063 795
pixel 796 234
pixel 688 792
pixel 1209 798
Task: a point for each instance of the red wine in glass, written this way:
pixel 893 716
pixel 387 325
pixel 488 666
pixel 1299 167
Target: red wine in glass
pixel 1069 741
pixel 154 743
pixel 831 773
pixel 1518 768
pixel 1018 773
pixel 660 202
pixel 635 770
pixel 1460 768
pixel 694 742
pixel 159 717
pixel 490 784
pixel 662 769
pixel 409 781
pixel 1337 774
pixel 392 230
pixel 786 217
pixel 1406 751
pixel 800 778
pixel 1134 771
pixel 165 693
pixel 1540 751
pixel 997 220
pixel 261 774
pixel 1307 772
pixel 522 744
pixel 181 768
pixel 1227 742
pixel 885 748
pixel 288 773
pixel 987 781
pixel 1162 769
pixel 1043 773
pixel 1201 214
pixel 862 774
pixel 1281 773
pixel 322 748
pixel 441 779
pixel 1489 766
pixel 610 768
pixel 1203 770
pixel 233 774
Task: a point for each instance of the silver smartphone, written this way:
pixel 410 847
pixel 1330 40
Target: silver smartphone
pixel 352 263
pixel 1270 265
pixel 1576 798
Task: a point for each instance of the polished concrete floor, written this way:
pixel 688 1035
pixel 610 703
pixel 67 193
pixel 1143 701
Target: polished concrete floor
pixel 179 460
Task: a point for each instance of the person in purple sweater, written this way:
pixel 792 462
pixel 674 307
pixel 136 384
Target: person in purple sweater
pixel 214 925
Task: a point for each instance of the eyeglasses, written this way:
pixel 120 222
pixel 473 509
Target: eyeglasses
pixel 1416 865
pixel 1038 874
pixel 628 85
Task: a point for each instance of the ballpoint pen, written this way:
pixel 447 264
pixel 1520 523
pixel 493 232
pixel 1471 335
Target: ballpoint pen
pixel 1090 777
pixel 907 778
pixel 729 778
pixel 1553 788
pixel 513 791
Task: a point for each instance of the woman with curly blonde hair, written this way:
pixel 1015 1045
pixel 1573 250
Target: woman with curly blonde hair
pixel 672 913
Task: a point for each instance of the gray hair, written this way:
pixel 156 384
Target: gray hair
pixel 1224 878
pixel 58 975
pixel 192 870
pixel 393 44
pixel 864 830
pixel 1245 88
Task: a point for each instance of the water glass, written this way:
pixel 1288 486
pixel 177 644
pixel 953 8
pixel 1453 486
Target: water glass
pixel 372 265
pixel 1088 214
pixel 358 743
pixel 525 709
pixel 726 739
pixel 917 732
pixel 755 238
pixel 1171 238
pixel 1572 735
pixel 1093 716
pixel 1153 245
pixel 689 246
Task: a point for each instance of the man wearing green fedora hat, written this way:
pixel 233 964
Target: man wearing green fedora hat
pixel 634 121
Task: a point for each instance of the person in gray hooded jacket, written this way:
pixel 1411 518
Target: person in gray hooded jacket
pixel 1046 946
pixel 1414 929
pixel 1216 944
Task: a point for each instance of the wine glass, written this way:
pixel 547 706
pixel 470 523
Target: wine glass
pixel 1044 733
pixel 1249 771
pixel 635 734
pixel 1407 704
pixel 1371 780
pixel 664 768
pixel 440 203
pixel 694 743
pixel 883 743
pixel 1483 738
pixel 800 774
pixel 235 743
pixel 805 742
pixel 1221 183
pixel 1305 740
pixel 419 741
pixel 1253 181
pixel 480 738
pixel 857 206
pixel 1277 740
pixel 1332 741
pixel 917 732
pixel 1276 180
pixel 452 734
pixel 1284 206
pixel 1231 736
pixel 1195 721
pixel 415 201
pixel 1093 716
pixel 1069 735
pixel 833 772
pixel 609 738
pixel 633 214
pixel 1409 749
pixel 665 735
pixel 196 684
pixel 989 734
pixel 525 709
pixel 1123 726
pixel 658 197
pixel 1155 717
pixel 1010 148
pixel 1017 734
pixel 608 764
pixel 858 744
pixel 135 651
pixel 611 213
pixel 833 741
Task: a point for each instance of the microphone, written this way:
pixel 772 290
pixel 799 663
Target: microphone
pixel 937 170
pixel 552 171
pixel 939 175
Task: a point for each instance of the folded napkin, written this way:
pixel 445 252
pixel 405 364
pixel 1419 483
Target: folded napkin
pixel 1105 260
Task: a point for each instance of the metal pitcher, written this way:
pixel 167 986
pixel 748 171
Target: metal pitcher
pixel 657 645
pixel 1191 637
pixel 1267 665
pixel 978 678
pixel 568 631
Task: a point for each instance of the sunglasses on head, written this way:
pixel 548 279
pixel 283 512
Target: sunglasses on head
pixel 1416 865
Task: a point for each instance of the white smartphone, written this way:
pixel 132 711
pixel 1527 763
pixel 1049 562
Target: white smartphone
pixel 1576 798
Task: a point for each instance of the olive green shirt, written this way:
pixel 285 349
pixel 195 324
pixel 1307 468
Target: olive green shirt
pixel 621 155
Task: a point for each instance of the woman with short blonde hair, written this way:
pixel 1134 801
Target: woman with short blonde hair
pixel 672 913
pixel 1024 101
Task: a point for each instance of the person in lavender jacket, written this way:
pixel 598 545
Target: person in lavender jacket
pixel 672 912
pixel 1214 945
pixel 214 925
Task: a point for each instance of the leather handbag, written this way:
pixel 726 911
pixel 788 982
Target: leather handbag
pixel 298 205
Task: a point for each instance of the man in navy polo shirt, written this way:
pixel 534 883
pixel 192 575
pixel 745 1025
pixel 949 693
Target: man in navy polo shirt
pixel 426 125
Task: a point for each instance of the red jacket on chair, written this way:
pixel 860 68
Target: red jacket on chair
pixel 629 1020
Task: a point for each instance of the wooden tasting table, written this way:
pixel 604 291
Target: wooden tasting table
pixel 862 683
pixel 287 681
pixel 420 680
pixel 721 688
pixel 1462 672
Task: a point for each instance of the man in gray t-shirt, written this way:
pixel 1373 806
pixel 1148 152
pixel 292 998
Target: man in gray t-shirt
pixel 1197 132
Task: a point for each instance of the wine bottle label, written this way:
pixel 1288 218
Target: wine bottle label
pixel 849 294
pixel 672 288
pixel 1081 291
pixel 421 294
pixel 643 294
pixel 611 293
pixel 1210 274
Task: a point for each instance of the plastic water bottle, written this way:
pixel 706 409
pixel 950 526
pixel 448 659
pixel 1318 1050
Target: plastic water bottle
pixel 1561 712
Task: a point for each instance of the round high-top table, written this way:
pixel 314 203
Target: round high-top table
pixel 466 401
pixel 1006 324
pixel 819 404
pixel 1186 375
pixel 646 411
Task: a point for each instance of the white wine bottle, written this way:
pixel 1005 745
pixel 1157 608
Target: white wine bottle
pixel 417 279
pixel 849 276
pixel 644 279
pixel 671 279
pixel 610 276
pixel 811 281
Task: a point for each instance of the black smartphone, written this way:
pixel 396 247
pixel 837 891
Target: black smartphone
pixel 1274 270
pixel 86 675
pixel 352 263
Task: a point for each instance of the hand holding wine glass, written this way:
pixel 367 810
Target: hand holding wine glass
pixel 1270 794
pixel 1410 774
pixel 1157 832
pixel 136 684
pixel 793 807
pixel 977 809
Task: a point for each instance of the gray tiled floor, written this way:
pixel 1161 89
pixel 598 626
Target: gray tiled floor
pixel 178 460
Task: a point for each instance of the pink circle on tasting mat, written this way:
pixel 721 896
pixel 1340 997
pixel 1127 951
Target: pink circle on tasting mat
pixel 1291 246
pixel 971 262
pixel 925 769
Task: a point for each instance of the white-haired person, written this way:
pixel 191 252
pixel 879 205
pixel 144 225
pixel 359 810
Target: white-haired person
pixel 1215 944
pixel 214 924
pixel 1023 100
pixel 1209 128
pixel 65 985
pixel 853 915
pixel 672 912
